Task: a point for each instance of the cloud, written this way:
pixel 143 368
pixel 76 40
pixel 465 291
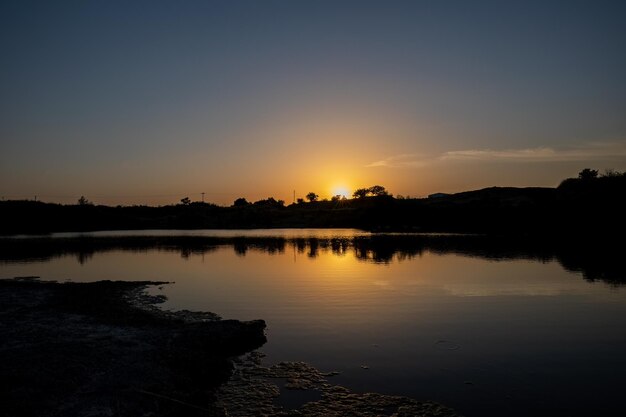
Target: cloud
pixel 526 155
pixel 400 161
pixel 544 154
pixel 592 152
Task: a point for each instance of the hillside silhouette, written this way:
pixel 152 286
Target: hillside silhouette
pixel 587 205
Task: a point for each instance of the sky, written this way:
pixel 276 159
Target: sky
pixel 147 102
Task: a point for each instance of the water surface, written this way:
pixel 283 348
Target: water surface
pixel 488 329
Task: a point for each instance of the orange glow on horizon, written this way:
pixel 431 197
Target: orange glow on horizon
pixel 342 190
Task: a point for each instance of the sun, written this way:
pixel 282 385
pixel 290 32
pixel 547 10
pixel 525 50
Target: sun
pixel 341 190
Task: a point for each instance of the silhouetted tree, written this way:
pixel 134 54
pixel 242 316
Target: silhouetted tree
pixel 185 201
pixel 588 174
pixel 300 201
pixel 240 202
pixel 336 198
pixel 378 190
pixel 361 193
pixel 82 201
pixel 312 197
pixel 611 173
pixel 270 202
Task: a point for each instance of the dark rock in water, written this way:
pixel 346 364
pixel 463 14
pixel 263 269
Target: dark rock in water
pixel 103 348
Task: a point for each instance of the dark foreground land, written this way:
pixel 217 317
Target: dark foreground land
pixel 104 349
pixel 90 349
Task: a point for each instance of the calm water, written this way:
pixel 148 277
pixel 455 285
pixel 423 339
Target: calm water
pixel 488 330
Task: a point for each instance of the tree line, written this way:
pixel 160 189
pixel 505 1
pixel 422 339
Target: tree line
pixel 585 177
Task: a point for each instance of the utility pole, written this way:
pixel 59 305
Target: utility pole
pixel 294 196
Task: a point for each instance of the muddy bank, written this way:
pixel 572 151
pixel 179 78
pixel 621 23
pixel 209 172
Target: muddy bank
pixel 106 349
pixel 103 349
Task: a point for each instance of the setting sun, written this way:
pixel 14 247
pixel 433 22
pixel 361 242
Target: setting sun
pixel 341 190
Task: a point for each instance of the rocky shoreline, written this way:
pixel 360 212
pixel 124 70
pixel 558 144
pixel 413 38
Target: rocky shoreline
pixel 255 390
pixel 106 349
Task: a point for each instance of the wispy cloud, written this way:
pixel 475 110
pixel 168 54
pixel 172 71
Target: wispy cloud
pixel 526 155
pixel 399 161
pixel 592 152
pixel 544 154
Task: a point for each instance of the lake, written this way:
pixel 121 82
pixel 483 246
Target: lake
pixel 488 327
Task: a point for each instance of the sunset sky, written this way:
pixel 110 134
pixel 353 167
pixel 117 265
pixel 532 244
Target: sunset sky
pixel 146 102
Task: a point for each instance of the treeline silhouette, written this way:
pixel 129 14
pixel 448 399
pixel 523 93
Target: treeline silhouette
pixel 591 204
pixel 595 260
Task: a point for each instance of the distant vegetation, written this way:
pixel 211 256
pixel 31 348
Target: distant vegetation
pixel 376 191
pixel 590 204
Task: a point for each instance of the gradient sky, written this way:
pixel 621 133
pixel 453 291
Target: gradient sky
pixel 135 102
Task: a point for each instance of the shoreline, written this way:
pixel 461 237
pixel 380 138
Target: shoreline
pixel 106 348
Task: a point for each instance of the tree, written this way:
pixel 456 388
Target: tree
pixel 240 202
pixel 611 173
pixel 312 197
pixel 185 201
pixel 361 193
pixel 336 198
pixel 270 202
pixel 378 190
pixel 588 174
pixel 82 201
